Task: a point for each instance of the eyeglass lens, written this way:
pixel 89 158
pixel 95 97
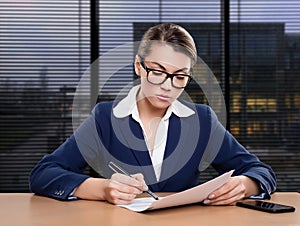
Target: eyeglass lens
pixel 159 77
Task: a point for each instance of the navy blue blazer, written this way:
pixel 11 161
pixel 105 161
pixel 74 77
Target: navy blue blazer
pixel 193 143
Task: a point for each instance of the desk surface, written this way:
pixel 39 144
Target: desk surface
pixel 28 209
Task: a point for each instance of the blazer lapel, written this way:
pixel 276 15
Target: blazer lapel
pixel 133 138
pixel 176 155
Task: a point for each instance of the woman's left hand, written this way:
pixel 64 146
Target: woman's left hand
pixel 235 189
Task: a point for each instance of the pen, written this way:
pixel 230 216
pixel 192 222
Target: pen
pixel 118 169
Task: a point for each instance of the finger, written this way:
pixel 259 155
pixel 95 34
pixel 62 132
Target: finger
pixel 127 180
pixel 229 197
pixel 226 188
pixel 226 201
pixel 116 197
pixel 124 185
pixel 140 178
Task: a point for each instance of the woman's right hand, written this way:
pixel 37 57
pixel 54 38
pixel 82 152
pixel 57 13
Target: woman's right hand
pixel 122 189
pixel 119 189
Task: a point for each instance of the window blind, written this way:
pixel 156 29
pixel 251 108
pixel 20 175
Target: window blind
pixel 264 48
pixel 44 49
pixel 265 83
pixel 126 21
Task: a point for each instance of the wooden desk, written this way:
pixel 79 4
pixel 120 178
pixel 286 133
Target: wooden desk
pixel 27 209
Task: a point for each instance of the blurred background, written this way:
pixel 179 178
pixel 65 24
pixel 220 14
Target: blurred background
pixel 252 47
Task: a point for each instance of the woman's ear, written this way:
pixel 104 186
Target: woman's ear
pixel 137 66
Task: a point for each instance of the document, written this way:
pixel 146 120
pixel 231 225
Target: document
pixel 189 196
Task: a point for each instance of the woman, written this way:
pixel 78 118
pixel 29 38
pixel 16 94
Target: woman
pixel 170 137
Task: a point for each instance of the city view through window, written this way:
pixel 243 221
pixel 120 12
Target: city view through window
pixel 45 48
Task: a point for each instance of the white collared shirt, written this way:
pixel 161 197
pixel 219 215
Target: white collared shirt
pixel 128 106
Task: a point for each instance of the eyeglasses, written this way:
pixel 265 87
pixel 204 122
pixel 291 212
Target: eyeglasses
pixel 158 77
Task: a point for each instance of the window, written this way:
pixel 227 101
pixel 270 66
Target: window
pixel 45 49
pixel 265 83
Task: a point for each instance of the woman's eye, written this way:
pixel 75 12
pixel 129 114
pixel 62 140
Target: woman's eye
pixel 180 77
pixel 158 73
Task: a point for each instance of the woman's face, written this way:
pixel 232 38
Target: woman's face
pixel 164 58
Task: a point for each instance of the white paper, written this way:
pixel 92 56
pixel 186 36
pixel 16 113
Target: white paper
pixel 192 195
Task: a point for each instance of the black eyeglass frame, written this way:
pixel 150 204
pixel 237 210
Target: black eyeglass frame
pixel 171 76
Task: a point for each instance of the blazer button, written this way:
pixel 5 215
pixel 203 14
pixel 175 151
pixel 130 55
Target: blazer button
pixel 59 192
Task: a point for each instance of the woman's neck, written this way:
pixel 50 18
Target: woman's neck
pixel 150 118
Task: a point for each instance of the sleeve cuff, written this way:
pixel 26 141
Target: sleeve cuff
pixel 263 195
pixel 71 195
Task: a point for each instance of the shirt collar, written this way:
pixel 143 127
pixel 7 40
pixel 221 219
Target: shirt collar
pixel 127 106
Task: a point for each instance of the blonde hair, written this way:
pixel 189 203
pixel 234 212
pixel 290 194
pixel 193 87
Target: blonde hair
pixel 173 34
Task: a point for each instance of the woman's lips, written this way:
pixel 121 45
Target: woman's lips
pixel 163 97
